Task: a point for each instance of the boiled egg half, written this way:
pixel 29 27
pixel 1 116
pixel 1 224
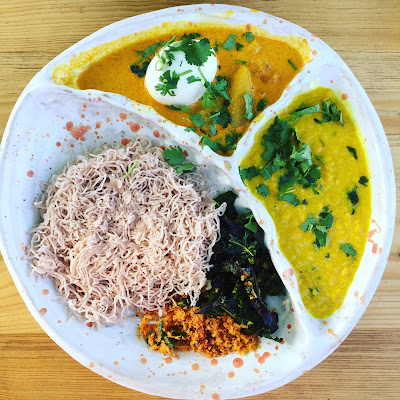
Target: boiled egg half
pixel 190 86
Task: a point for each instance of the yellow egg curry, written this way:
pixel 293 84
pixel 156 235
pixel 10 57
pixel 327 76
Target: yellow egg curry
pixel 319 195
pixel 249 59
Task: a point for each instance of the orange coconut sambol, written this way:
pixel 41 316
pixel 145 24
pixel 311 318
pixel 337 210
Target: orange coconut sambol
pixel 187 329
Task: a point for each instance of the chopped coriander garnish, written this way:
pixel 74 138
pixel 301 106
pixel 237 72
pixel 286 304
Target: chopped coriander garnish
pixel 197 119
pixel 238 46
pixel 192 35
pixel 241 62
pixel 140 71
pixel 217 46
pixel 169 82
pixel 248 173
pixel 263 190
pixel 289 197
pixel 207 99
pixel 319 225
pixel 196 52
pixel 190 129
pixel 352 151
pixel 174 156
pixel 213 130
pixel 214 145
pixel 192 78
pixel 177 158
pixel 249 36
pixel 305 110
pixel 147 52
pixel 230 42
pixel 186 167
pixel 353 196
pixel 248 99
pixel 363 180
pixel 291 64
pixel 348 249
pixel 261 104
pixel 131 169
pixel 329 109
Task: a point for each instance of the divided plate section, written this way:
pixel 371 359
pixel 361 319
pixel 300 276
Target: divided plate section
pixel 51 126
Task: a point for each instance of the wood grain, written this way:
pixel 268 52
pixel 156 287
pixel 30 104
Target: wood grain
pixel 366 34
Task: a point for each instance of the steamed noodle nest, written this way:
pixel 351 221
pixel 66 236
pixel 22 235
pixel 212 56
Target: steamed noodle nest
pixel 115 245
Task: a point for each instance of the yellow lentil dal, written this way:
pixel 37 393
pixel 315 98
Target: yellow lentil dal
pixel 325 274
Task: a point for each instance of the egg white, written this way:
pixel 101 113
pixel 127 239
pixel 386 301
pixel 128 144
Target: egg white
pixel 185 93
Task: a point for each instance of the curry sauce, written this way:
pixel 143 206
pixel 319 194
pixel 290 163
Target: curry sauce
pixel 263 66
pixel 322 231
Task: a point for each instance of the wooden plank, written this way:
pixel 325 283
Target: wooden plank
pixel 366 34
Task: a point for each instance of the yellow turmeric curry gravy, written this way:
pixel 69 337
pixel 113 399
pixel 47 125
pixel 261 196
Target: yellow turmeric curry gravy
pixel 260 67
pixel 324 273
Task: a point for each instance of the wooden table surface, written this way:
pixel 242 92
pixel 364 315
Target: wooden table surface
pixel 366 34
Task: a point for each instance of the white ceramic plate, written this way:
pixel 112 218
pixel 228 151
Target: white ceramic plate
pixel 36 144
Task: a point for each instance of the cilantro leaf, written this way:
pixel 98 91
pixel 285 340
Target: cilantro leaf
pixel 196 51
pixel 289 197
pixel 241 62
pixel 214 145
pixel 231 140
pixel 329 109
pixel 332 113
pixel 319 225
pixel 248 99
pixel 190 129
pixel 223 118
pixel 177 158
pixel 229 43
pixel 186 167
pixel 248 173
pixel 207 100
pixel 238 46
pixel 168 83
pixel 174 156
pixel 308 224
pixel 249 36
pixel 353 197
pixel 261 104
pixel 263 190
pixel 304 111
pixel 363 180
pixel 140 71
pixel 352 151
pixel 348 249
pixel 192 79
pixel 288 179
pixel 213 130
pixel 221 88
pixel 197 119
pixel 146 53
pixel 192 35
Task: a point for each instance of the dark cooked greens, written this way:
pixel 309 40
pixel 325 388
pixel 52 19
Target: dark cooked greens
pixel 243 274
